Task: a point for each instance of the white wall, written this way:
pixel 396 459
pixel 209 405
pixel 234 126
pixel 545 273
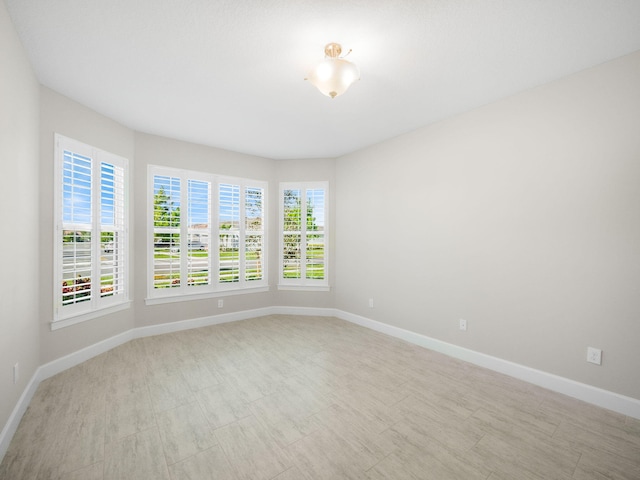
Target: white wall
pixel 19 231
pixel 522 217
pixel 154 150
pixel 59 114
pixel 62 115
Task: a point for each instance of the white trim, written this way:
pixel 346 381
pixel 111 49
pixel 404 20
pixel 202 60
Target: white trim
pixel 171 327
pixel 596 396
pixel 65 315
pixel 306 311
pixel 16 415
pixel 49 370
pixel 588 393
pixel 63 363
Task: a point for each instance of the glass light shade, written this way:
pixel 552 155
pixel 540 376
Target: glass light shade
pixel 333 76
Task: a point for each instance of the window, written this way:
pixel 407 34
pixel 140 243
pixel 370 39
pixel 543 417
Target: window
pixel 303 236
pixel 91 244
pixel 207 235
pixel 241 233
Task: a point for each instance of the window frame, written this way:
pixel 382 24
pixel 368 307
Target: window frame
pixel 216 287
pixel 99 304
pixel 303 283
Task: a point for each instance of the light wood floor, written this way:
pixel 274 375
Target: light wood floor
pixel 289 398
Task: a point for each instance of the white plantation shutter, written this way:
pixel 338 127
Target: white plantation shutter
pixel 166 232
pixel 303 235
pixel 207 229
pixel 113 246
pixel 199 233
pixel 254 234
pixel 241 224
pixel 229 232
pixel 292 234
pixel 91 241
pixel 314 234
pixel 77 226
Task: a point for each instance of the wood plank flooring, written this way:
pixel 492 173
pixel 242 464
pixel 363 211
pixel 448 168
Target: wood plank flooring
pixel 307 398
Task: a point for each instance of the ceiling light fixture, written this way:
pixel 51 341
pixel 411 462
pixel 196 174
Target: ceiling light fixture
pixel 333 75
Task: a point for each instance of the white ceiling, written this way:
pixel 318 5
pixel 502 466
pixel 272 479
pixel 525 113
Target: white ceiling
pixel 230 73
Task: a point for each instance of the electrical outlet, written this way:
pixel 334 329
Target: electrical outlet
pixel 371 303
pixel 594 355
pixel 220 303
pixel 463 324
pixel 16 372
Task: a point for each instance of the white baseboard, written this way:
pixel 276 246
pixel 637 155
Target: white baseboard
pixel 597 396
pixel 16 415
pixel 49 370
pixel 63 363
pixel 306 311
pixel 229 317
pixel 603 398
pixel 200 322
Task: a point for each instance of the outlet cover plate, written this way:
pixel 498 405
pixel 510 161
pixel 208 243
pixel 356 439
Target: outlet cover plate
pixel 594 355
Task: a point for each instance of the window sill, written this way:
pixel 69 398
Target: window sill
pixel 67 322
pixel 202 296
pixel 305 288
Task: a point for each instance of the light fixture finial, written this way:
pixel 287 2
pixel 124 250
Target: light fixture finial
pixel 332 50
